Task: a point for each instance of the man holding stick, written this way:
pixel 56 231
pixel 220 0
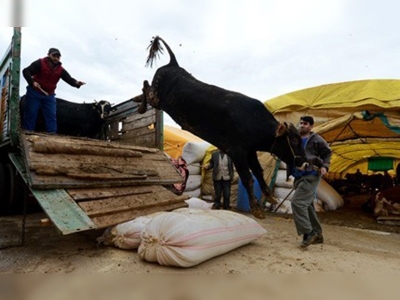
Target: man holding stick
pixel 42 77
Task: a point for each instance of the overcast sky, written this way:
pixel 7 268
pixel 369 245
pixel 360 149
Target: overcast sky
pixel 261 48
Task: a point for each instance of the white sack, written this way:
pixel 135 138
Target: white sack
pixel 187 237
pixel 283 192
pixel 284 208
pixel 330 198
pixel 194 151
pixel 198 203
pixel 194 168
pixel 281 179
pixel 195 193
pixel 126 235
pixel 193 182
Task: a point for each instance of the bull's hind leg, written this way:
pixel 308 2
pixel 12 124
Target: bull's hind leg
pixel 258 173
pixel 247 180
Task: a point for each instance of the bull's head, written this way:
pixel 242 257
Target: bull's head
pixel 288 147
pixel 148 96
pixel 103 107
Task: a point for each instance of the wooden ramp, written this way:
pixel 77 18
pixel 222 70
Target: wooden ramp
pixel 85 184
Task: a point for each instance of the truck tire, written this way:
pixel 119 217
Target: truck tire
pixel 3 188
pixel 12 190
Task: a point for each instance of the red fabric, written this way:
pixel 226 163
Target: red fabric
pixel 181 165
pixel 48 77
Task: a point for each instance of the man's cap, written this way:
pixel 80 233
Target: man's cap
pixel 54 51
pixel 307 119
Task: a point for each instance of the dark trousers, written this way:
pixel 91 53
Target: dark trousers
pixel 222 187
pixel 304 215
pixel 34 101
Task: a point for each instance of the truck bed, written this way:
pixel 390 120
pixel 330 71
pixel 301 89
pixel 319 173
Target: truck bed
pixel 85 184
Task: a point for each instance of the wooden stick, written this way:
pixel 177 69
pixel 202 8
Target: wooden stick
pixel 42 90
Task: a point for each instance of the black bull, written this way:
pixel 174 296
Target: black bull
pixel 238 125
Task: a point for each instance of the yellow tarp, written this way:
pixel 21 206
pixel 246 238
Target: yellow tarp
pixel 337 110
pixel 175 138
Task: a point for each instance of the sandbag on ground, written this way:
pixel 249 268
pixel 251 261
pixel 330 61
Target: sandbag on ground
pixel 187 237
pixel 126 235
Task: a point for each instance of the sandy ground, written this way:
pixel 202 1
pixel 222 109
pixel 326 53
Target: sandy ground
pixel 351 246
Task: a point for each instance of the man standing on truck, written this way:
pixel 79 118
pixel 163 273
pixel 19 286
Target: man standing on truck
pixel 42 77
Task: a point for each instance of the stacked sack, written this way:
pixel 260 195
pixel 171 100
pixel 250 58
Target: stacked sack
pixel 193 153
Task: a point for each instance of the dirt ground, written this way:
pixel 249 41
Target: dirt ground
pixel 354 243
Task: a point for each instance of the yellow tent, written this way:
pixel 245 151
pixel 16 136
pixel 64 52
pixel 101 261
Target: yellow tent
pixel 359 119
pixel 175 138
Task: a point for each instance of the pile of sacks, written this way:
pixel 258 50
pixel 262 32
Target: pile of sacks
pixel 184 237
pixel 193 153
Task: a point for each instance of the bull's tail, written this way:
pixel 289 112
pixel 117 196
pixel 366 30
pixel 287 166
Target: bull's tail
pixel 155 50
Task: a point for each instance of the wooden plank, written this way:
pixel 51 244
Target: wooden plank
pixel 113 219
pixel 145 139
pixel 43 146
pixel 71 168
pixel 158 196
pixel 32 137
pixel 138 131
pixel 101 193
pixel 136 124
pixel 63 211
pixel 64 182
pixel 149 115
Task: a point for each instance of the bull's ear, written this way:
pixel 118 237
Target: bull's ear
pixel 138 99
pixel 281 130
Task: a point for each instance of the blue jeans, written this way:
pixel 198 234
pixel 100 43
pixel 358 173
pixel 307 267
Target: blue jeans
pixel 222 187
pixel 34 101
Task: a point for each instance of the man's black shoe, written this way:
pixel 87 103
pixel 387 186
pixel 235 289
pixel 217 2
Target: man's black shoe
pixel 309 238
pixel 319 239
pixel 215 206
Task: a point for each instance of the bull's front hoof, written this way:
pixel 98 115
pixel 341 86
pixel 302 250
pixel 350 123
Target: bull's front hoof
pixel 258 212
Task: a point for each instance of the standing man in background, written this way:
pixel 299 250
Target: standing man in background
pixel 42 77
pixel 306 182
pixel 222 177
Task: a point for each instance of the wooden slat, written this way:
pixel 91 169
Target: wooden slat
pixel 101 193
pixel 64 182
pixel 31 137
pixel 136 124
pixel 66 215
pixel 113 219
pixel 60 147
